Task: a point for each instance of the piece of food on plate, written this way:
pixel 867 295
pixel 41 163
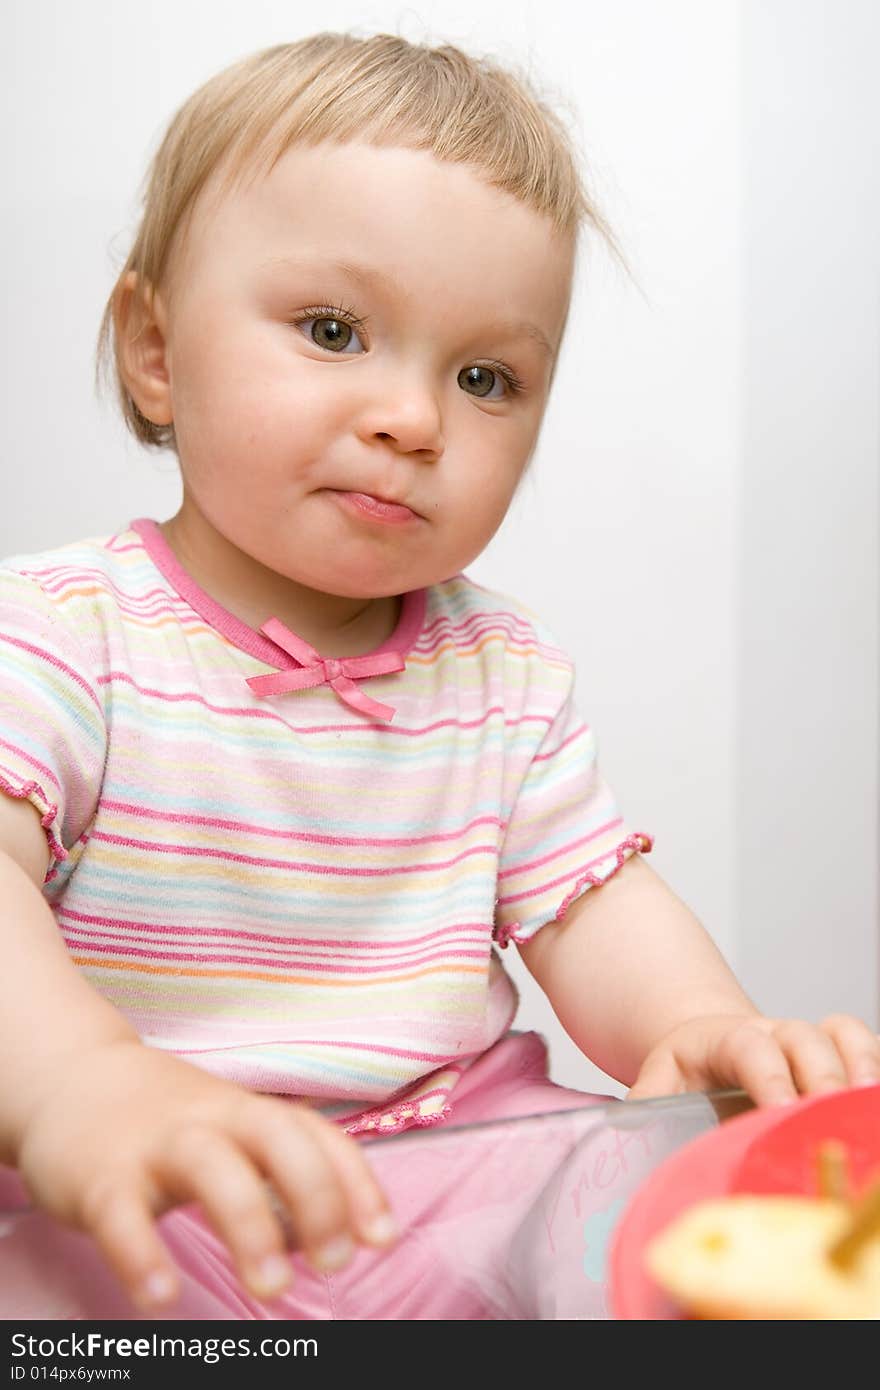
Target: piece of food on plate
pixel 780 1257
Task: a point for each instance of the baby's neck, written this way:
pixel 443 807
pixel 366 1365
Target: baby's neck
pixel 334 626
pixel 363 633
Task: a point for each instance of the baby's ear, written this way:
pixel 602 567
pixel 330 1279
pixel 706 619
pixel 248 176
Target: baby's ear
pixel 140 321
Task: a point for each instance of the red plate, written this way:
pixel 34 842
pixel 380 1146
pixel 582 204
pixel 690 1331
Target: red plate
pixel 769 1150
pixel 784 1159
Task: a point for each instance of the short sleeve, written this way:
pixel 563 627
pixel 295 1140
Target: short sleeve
pixel 53 734
pixel 565 833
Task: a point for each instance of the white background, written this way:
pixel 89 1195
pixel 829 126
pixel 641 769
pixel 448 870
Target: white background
pixel 700 526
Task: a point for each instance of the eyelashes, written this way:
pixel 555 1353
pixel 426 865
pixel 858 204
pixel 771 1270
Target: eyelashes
pixel 341 314
pixel 508 373
pixel 331 311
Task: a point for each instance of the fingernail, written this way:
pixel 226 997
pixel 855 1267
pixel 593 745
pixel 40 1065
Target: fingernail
pixel 381 1229
pixel 273 1274
pixel 334 1254
pixel 158 1287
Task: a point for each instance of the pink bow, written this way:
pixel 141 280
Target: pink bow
pixel 315 669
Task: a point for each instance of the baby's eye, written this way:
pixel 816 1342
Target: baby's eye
pixel 336 335
pixel 481 381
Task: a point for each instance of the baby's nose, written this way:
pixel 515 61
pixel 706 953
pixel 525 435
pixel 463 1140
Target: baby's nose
pixel 407 414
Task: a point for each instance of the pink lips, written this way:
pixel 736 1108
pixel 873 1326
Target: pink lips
pixel 374 508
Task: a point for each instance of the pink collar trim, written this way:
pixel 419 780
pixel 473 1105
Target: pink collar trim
pixel 297 664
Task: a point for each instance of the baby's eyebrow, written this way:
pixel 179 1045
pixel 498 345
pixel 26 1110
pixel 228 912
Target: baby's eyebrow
pixel 518 328
pixel 371 275
pixel 366 274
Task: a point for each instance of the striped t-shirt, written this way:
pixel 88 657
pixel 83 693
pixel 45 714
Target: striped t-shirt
pixel 283 888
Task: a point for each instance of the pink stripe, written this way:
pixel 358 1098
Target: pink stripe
pixel 240 711
pixel 71 582
pixel 502 620
pixel 117 943
pixel 53 661
pixel 330 943
pixel 147 813
pixel 32 762
pixel 64 579
pixel 123 549
pixel 578 733
pixel 244 712
pixel 324 870
pixel 462 648
pixel 555 882
pixel 184 617
pixel 438 1058
pixel 389 967
pixel 451 942
pixel 528 865
pixel 166 606
pixel 145 617
pixel 473 632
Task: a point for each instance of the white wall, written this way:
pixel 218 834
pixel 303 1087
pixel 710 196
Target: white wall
pixel 807 793
pixel 642 533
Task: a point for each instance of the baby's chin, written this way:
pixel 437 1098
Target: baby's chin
pixel 385 581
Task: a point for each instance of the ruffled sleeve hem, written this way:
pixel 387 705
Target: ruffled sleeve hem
pixel 48 809
pixel 594 877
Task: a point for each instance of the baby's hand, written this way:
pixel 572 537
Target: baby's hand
pixel 129 1132
pixel 772 1059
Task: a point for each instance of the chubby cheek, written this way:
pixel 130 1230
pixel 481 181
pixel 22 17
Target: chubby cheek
pixel 247 441
pixel 232 393
pixel 482 506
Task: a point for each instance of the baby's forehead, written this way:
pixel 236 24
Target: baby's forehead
pixel 246 174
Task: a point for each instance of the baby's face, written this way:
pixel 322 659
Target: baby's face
pixel 351 323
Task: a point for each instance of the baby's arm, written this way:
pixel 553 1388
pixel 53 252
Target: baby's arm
pixel 107 1134
pixel 641 988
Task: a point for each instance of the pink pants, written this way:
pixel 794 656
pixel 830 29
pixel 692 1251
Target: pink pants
pixel 504 1212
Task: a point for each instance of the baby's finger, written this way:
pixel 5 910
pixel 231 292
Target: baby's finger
pixel 753 1060
pixel 659 1076
pixel 368 1204
pixel 204 1166
pixel 323 1182
pixel 857 1045
pixel 124 1229
pixel 813 1058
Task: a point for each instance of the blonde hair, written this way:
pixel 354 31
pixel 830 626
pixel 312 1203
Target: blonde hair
pixel 382 90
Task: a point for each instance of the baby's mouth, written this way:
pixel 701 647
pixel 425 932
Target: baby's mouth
pixel 376 508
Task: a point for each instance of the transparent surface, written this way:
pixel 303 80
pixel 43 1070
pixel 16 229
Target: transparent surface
pixel 522 1210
